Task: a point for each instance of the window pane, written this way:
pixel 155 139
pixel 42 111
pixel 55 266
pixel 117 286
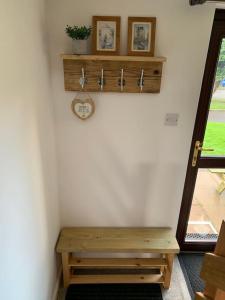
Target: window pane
pixel 208 206
pixel 215 130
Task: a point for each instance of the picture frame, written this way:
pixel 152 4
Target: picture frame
pixel 141 36
pixel 106 35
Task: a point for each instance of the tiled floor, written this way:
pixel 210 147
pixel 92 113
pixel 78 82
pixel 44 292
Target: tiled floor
pixel 208 206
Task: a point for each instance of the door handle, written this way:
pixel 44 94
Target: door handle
pixel 198 147
pixel 206 149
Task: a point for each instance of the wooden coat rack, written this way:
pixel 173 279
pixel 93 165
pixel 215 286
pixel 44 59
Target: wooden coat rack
pixel 97 73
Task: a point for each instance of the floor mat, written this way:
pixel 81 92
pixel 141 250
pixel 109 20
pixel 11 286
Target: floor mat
pixel 191 264
pixel 114 292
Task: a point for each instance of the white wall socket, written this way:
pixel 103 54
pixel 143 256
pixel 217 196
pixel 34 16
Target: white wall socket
pixel 171 119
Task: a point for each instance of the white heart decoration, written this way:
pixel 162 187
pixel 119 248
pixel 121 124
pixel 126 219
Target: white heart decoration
pixel 83 108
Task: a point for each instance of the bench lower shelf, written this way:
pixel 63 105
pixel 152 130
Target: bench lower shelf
pixel 117 263
pixel 103 279
pixel 159 270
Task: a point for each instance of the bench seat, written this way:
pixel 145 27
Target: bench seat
pixel 74 240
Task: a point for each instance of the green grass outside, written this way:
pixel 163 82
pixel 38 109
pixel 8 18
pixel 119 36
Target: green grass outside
pixel 214 138
pixel 217 104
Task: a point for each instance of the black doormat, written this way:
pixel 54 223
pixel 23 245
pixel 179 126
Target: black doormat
pixel 191 264
pixel 114 292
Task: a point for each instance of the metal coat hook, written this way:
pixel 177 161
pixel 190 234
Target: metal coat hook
pixel 82 79
pixel 121 81
pixel 102 80
pixel 141 80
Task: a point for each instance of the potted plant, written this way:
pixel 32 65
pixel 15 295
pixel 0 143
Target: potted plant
pixel 79 36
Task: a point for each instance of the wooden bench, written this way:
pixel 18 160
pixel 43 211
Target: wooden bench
pixel 99 240
pixel 213 271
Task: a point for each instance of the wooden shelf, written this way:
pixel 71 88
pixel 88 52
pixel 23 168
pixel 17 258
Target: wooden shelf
pixel 117 263
pixel 132 68
pixel 113 58
pixel 102 279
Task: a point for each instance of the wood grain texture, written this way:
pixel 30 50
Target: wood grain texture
pixel 66 271
pixel 213 270
pixel 112 74
pixel 117 263
pixel 152 42
pixel 168 270
pixel 95 19
pixel 108 239
pixel 120 240
pixel 112 58
pixel 210 290
pixel 101 279
pixel 220 245
pixel 220 295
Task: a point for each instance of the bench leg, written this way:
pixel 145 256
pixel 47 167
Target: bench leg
pixel 66 271
pixel 168 270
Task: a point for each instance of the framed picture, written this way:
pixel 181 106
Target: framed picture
pixel 106 35
pixel 141 36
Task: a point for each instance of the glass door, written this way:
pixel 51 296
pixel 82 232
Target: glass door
pixel 203 204
pixel 208 204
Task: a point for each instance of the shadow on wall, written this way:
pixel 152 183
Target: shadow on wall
pixel 136 203
pixel 128 205
pixel 112 188
pixel 120 191
pixel 169 187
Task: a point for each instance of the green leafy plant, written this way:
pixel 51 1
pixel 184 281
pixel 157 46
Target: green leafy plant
pixel 78 33
pixel 220 72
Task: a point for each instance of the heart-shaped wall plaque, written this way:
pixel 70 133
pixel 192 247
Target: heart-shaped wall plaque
pixel 83 108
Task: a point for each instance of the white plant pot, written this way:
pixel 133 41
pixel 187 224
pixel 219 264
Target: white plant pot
pixel 80 46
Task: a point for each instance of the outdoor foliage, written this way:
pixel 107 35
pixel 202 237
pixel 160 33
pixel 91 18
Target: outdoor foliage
pixel 78 33
pixel 217 104
pixel 215 138
pixel 220 72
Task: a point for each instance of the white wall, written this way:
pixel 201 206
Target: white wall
pixel 123 167
pixel 29 217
